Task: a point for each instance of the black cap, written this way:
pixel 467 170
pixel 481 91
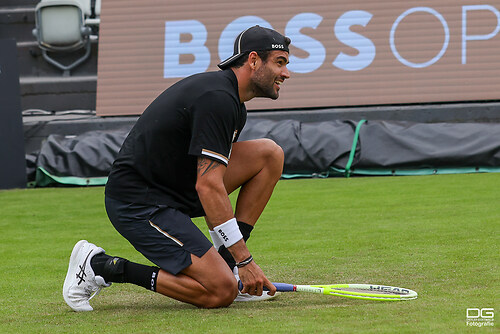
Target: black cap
pixel 256 38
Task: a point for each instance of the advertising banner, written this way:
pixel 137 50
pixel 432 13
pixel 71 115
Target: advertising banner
pixel 343 53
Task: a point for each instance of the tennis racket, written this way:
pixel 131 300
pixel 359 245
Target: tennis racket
pixel 358 291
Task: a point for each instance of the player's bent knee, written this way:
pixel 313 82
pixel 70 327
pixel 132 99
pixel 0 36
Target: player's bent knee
pixel 230 291
pixel 275 157
pixel 226 299
pixel 223 296
pixel 272 151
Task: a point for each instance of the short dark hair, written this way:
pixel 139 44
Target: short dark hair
pixel 243 59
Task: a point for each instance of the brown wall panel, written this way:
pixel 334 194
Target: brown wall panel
pixel 438 51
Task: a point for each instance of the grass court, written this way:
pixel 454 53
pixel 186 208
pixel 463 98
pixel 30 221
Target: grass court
pixel 438 235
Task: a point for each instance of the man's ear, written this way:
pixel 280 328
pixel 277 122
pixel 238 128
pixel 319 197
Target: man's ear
pixel 253 59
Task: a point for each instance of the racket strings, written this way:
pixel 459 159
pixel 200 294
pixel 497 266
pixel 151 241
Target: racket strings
pixel 376 292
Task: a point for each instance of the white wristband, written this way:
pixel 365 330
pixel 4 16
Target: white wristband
pixel 229 232
pixel 215 239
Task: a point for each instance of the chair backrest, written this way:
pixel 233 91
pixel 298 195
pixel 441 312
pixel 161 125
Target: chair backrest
pixel 59 25
pixel 98 7
pixel 86 6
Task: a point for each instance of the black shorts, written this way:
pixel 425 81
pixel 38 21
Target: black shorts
pixel 165 236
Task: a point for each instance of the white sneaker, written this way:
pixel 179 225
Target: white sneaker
pixel 81 284
pixel 245 297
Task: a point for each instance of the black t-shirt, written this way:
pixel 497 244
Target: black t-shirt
pixel 198 116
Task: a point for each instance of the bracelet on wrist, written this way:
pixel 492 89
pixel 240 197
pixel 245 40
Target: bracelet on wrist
pixel 244 262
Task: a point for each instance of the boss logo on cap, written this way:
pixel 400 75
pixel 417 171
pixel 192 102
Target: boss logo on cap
pixel 277 46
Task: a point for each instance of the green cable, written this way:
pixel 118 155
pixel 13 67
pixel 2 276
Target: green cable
pixel 353 148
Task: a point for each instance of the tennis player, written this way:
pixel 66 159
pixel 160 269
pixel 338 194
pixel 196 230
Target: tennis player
pixel 181 160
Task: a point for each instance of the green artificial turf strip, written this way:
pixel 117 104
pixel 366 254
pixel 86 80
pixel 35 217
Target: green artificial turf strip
pixel 438 235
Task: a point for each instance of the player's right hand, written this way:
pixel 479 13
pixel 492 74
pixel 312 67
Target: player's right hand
pixel 254 280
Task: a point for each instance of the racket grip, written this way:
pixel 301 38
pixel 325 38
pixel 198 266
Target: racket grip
pixel 283 287
pixel 240 286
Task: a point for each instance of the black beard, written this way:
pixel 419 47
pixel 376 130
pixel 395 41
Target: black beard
pixel 263 86
pixel 263 91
